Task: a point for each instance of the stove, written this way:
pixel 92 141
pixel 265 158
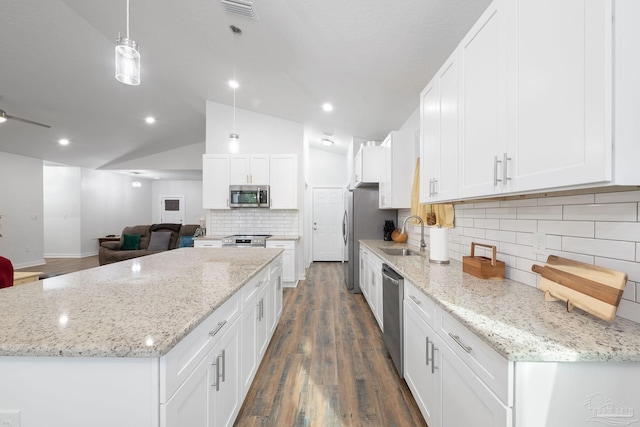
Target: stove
pixel 246 240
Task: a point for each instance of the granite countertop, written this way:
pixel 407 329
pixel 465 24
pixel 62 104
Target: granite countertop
pixel 274 237
pixel 513 318
pixel 137 308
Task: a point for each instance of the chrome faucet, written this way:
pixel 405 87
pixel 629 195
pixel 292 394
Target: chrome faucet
pixel 423 245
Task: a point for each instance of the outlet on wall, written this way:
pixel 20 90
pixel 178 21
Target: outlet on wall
pixel 9 418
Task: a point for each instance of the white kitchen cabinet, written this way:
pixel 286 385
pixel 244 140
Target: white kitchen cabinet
pixel 289 270
pixel 276 287
pixel 439 135
pixel 560 65
pixel 283 173
pixel 224 371
pixel 249 169
pixel 367 166
pixel 395 176
pixel 374 287
pixel 483 105
pixel 363 269
pixel 215 181
pixel 208 243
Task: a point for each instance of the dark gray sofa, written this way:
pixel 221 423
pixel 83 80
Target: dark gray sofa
pixel 110 252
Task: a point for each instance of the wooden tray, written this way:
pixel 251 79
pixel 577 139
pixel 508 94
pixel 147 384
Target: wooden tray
pixel 483 267
pixel 596 290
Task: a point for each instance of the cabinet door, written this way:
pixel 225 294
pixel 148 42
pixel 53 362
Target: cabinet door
pixel 364 274
pixel 276 287
pixel 562 67
pixel 465 399
pixel 288 259
pixel 384 187
pixel 259 169
pixel 249 356
pixel 446 185
pixel 225 373
pixel 263 302
pixel 483 104
pixel 239 169
pixel 429 140
pixel 215 181
pixel 418 361
pixel 189 406
pixel 357 168
pixel 283 172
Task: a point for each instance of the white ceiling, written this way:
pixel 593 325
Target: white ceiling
pixel 369 58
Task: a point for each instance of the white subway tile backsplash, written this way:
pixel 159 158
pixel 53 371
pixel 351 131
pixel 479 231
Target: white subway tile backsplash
pixel 553 242
pixel 493 224
pixel 475 232
pixel 522 277
pixel 464 222
pixel 587 259
pixel 631 268
pixel 235 221
pixel 473 213
pixel 540 212
pixel 502 236
pixel 518 202
pixel 603 248
pixel 518 225
pixel 629 310
pixel 491 204
pixel 602 212
pixel 524 238
pixel 617 197
pixel 567 228
pixel 507 213
pixel 629 292
pixel 582 199
pixel 629 231
pixel 517 250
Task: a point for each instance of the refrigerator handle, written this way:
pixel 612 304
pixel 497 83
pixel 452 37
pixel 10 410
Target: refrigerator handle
pixel 345 227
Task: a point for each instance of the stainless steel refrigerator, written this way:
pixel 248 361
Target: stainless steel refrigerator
pixel 362 220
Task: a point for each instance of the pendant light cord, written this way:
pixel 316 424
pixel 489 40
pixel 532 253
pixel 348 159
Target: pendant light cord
pixel 127 19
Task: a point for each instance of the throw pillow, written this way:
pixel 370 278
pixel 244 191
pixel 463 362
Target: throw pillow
pixel 186 242
pixel 130 242
pixel 159 241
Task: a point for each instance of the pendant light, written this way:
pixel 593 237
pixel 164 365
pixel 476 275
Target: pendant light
pixel 127 58
pixel 234 138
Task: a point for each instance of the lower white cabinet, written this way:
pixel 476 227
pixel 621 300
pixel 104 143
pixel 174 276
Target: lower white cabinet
pixel 289 271
pixel 207 243
pixel 447 389
pixel 371 283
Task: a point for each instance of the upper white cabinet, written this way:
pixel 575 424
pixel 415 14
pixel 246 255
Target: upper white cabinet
pixel 215 181
pixel 543 102
pixel 560 66
pixel 439 135
pixel 284 181
pixel 396 177
pixel 367 165
pixel 483 96
pixel 249 169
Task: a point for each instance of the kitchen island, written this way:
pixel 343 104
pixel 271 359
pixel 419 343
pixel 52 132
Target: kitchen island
pixel 494 352
pixel 130 343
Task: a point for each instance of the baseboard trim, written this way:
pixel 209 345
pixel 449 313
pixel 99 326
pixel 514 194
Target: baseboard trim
pixel 28 264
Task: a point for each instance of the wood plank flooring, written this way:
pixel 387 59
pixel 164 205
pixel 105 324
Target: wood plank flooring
pixel 327 364
pixel 57 266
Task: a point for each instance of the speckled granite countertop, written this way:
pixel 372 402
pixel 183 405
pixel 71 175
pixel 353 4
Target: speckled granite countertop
pixel 136 308
pixel 274 237
pixel 513 318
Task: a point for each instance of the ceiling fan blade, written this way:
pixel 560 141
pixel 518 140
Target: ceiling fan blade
pixel 26 121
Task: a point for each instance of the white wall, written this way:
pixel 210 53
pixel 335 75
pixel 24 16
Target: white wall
pixel 327 169
pixel 81 205
pixel 21 207
pixel 192 192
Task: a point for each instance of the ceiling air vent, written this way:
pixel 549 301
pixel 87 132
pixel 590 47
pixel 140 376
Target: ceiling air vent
pixel 240 7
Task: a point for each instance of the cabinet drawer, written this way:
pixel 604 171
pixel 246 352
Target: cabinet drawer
pixel 282 244
pixel 180 361
pixel 207 243
pixel 494 370
pixel 422 304
pixel 275 266
pixel 254 285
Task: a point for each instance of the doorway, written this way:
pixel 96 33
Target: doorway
pixel 172 209
pixel 328 208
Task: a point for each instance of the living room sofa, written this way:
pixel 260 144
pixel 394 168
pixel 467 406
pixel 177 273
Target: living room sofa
pixel 142 240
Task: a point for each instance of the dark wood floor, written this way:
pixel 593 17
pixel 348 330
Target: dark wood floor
pixel 327 364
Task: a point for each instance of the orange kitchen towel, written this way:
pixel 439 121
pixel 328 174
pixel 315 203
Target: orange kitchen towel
pixel 444 212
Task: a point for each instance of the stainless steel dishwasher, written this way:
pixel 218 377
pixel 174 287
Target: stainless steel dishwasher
pixel 392 296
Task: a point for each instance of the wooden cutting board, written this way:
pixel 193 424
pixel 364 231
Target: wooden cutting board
pixel 596 290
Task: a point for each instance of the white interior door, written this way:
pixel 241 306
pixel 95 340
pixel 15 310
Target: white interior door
pixel 328 208
pixel 172 209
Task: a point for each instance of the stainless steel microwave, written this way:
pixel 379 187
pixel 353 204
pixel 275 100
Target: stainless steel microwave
pixel 249 196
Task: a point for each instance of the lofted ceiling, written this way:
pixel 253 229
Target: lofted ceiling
pixel 369 58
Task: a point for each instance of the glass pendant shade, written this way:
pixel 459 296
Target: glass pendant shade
pixel 234 143
pixel 127 61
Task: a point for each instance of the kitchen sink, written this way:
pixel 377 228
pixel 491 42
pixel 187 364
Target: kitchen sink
pixel 399 252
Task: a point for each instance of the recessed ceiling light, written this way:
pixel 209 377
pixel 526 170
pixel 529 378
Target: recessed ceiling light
pixel 150 120
pixel 327 142
pixel 63 141
pixel 234 84
pixel 327 107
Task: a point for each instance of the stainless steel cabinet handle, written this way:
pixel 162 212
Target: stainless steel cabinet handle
pixel 261 308
pixel 456 338
pixel 414 299
pixel 217 375
pixel 433 357
pixel 260 283
pixel 258 312
pixel 217 329
pixel 427 351
pixel 224 365
pixel 495 171
pixel 435 187
pixel 505 178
